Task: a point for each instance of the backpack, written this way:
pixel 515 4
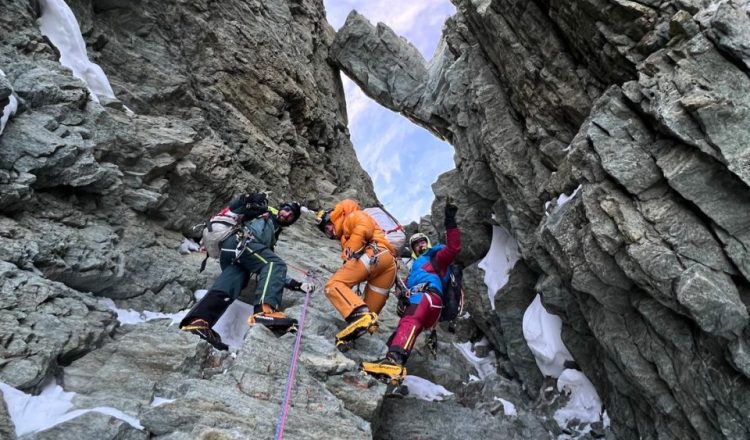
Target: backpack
pixel 225 223
pixel 453 291
pixel 394 232
pixel 218 229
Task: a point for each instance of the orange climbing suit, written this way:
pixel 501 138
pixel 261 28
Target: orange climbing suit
pixel 360 233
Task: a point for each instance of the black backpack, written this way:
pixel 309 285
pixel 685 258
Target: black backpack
pixel 453 292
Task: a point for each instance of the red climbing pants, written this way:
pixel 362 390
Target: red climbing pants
pixel 417 317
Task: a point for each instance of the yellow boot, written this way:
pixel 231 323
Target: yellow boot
pixel 361 321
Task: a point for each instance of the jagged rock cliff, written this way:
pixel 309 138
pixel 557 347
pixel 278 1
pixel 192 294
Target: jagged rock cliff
pixel 97 194
pixel 637 109
pixel 226 98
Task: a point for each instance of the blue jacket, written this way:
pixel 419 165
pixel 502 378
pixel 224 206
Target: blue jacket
pixel 423 272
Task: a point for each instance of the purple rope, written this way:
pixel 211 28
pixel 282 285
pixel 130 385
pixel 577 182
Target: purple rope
pixel 281 422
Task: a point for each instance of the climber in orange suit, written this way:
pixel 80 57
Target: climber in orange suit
pixel 367 256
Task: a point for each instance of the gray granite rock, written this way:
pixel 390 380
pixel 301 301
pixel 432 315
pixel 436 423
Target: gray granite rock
pixel 47 325
pixel 639 108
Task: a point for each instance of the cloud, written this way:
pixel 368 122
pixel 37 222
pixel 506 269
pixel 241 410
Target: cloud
pixel 402 159
pixel 357 103
pixel 382 155
pixel 419 21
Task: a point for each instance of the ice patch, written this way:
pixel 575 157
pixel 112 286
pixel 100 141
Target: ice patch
pixel 508 408
pixel 542 333
pixel 187 246
pixel 564 198
pixel 584 403
pixel 481 5
pixel 51 407
pixel 561 200
pixel 424 389
pixel 498 262
pixel 8 110
pixel 133 317
pixel 232 325
pixel 484 366
pixel 158 401
pixel 61 27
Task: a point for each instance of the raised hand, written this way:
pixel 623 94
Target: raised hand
pixel 450 213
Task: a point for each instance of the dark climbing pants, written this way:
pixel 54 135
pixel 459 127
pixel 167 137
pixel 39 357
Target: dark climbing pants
pixel 235 273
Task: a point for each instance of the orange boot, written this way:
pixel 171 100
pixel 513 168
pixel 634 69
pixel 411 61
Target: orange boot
pixel 273 319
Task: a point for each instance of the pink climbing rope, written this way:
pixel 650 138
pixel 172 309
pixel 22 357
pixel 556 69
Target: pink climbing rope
pixel 281 422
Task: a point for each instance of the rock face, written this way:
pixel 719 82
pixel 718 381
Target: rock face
pixel 213 101
pixel 636 112
pixel 641 108
pixel 96 196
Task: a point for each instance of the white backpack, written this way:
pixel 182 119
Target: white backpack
pixel 394 232
pixel 218 229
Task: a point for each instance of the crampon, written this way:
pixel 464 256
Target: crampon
pixel 391 373
pixel 364 323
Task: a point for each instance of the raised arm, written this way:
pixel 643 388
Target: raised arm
pixel 250 204
pixel 447 254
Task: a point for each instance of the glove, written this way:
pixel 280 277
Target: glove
pixel 249 204
pixel 402 304
pixel 294 285
pixel 256 202
pixel 299 286
pixel 450 214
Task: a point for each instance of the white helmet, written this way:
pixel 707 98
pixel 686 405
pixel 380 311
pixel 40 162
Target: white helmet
pixel 417 238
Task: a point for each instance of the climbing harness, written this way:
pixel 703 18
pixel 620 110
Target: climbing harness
pixel 281 422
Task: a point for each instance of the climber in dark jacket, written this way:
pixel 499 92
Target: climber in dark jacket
pixel 425 296
pixel 242 254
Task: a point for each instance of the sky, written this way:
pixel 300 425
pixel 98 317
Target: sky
pixel 402 158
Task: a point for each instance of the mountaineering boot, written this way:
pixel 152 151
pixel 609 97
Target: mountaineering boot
pixel 276 321
pixel 204 314
pixel 201 328
pixel 391 367
pixel 360 321
pixel 386 369
pixel 390 370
